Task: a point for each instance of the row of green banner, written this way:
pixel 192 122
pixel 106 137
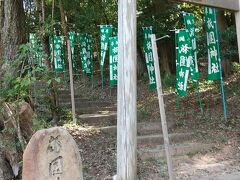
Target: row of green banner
pixel 84 41
pixel 186 51
pixel 108 37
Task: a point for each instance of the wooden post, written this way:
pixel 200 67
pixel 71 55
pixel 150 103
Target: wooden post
pixel 237 19
pixel 161 107
pixel 71 82
pixel 127 92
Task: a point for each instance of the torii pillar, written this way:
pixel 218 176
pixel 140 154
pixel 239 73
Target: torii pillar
pixel 127 91
pixel 233 5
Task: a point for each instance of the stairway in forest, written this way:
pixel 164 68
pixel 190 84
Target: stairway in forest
pixel 103 115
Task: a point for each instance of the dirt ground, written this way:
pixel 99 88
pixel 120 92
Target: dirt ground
pixel 221 162
pixel 98 151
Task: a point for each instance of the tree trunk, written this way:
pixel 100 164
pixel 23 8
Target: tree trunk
pixel 12 33
pixel 164 49
pixel 141 64
pixel 64 28
pixel 222 26
pixel 221 20
pixel 5 169
pixel 63 18
pixel 45 43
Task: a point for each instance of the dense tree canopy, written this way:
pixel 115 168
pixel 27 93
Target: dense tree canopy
pixel 84 16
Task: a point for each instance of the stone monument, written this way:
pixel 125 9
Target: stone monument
pixel 52 154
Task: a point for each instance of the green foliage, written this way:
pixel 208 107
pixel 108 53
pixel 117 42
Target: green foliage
pixel 40 123
pixel 9 142
pixel 142 113
pixel 228 44
pixel 18 76
pixel 236 68
pixel 202 45
pixel 67 118
pixel 208 85
pixel 169 82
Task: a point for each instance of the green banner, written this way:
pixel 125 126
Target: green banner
pixel 183 61
pixel 113 61
pixel 105 33
pixel 147 31
pixel 36 46
pixel 57 48
pixel 72 45
pixel 212 42
pixel 86 53
pixel 190 25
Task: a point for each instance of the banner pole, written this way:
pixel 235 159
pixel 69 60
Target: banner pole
pixel 162 108
pixel 199 97
pixel 71 83
pixel 92 75
pixel 92 81
pixel 64 79
pixel 220 69
pixel 177 95
pixel 102 77
pixel 177 101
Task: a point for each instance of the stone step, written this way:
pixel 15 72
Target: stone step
pixel 175 150
pixel 64 98
pixel 144 128
pixel 152 140
pixel 67 93
pixel 94 110
pixel 79 99
pixel 223 176
pixel 91 110
pixel 80 104
pixel 148 128
pixel 64 92
pixel 104 118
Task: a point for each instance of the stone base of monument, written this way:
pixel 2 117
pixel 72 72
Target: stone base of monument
pixel 52 154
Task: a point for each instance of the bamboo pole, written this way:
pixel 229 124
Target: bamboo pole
pixel 71 82
pixel 127 92
pixel 161 107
